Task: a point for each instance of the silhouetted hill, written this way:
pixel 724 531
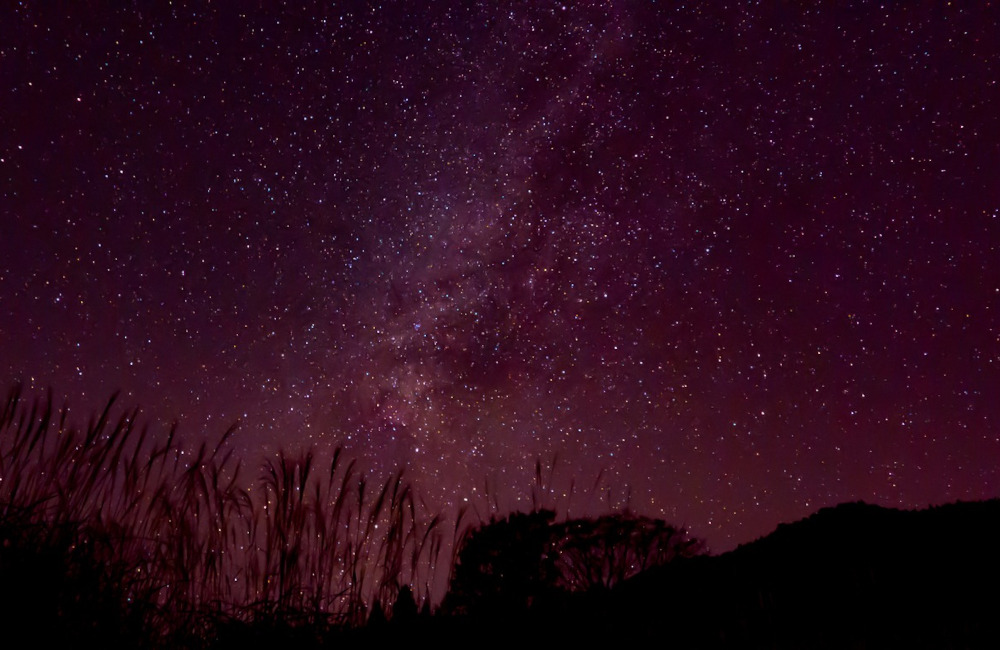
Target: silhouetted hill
pixel 853 576
pixel 856 575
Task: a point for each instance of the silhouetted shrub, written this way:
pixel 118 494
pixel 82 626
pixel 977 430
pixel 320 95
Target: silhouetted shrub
pixel 510 564
pixel 504 565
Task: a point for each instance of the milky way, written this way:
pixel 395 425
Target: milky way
pixel 721 264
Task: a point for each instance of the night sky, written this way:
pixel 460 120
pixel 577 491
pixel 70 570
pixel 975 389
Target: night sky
pixel 743 258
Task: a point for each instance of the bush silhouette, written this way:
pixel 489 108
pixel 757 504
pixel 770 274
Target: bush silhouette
pixel 600 553
pixel 509 564
pixel 504 566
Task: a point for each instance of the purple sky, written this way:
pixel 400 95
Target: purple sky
pixel 745 259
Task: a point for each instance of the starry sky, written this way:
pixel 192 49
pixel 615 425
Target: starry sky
pixel 722 263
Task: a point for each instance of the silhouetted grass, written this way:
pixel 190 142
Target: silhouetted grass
pixel 115 536
pixel 178 543
pixel 112 534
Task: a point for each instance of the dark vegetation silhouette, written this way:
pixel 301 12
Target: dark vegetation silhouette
pixel 519 561
pixel 107 531
pixel 112 536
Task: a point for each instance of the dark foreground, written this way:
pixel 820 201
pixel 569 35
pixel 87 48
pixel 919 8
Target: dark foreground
pixel 854 576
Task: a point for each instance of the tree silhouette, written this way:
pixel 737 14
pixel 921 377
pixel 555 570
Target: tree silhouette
pixel 508 564
pixel 599 553
pixel 503 565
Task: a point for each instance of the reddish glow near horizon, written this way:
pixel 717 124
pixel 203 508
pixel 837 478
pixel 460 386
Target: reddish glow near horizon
pixel 744 260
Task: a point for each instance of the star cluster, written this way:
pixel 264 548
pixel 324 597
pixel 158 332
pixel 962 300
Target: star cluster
pixel 726 263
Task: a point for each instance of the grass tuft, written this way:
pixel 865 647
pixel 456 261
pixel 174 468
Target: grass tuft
pixel 118 535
